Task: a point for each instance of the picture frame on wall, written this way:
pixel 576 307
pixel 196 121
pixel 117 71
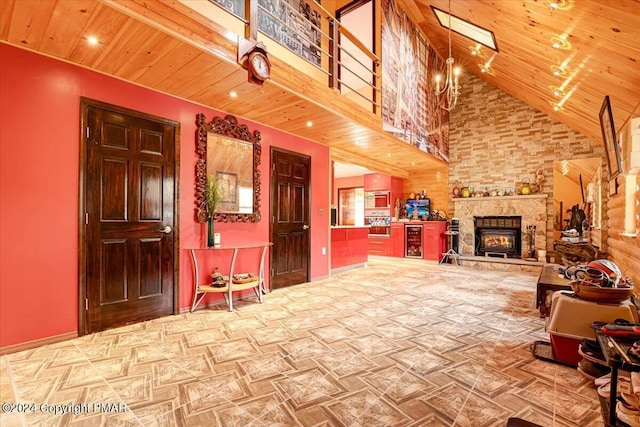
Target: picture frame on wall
pixel 611 147
pixel 228 183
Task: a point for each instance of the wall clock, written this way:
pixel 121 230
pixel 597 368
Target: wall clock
pixel 259 65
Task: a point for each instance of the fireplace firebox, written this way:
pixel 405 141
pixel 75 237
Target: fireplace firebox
pixel 498 236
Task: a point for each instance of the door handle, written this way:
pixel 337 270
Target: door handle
pixel 166 229
pixel 305 227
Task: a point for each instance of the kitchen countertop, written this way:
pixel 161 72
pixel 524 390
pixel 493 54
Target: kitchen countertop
pixel 350 226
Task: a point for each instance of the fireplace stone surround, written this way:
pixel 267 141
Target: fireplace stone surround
pixel 532 209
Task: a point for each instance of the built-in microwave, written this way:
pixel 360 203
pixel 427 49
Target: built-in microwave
pixel 377 199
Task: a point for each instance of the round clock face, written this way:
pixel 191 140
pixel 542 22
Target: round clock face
pixel 259 65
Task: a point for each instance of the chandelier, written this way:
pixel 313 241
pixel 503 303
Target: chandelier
pixel 450 88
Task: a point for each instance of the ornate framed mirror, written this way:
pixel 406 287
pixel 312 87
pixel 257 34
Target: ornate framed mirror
pixel 229 153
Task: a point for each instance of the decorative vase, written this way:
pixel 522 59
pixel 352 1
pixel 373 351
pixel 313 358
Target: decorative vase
pixel 210 234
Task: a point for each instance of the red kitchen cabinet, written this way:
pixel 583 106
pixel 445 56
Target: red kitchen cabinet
pixel 377 182
pixel 380 246
pixel 397 239
pixel 349 246
pixel 434 239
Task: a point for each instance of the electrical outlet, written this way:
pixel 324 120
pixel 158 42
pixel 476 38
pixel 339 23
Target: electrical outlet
pixel 324 251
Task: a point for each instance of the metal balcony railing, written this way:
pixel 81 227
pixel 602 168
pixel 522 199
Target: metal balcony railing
pixel 308 30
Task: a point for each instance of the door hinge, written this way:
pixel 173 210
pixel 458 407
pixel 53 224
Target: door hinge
pixel 86 218
pixel 273 272
pixel 88 131
pixel 86 304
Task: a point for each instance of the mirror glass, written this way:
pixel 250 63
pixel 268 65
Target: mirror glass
pixel 229 153
pixel 576 183
pixel 230 162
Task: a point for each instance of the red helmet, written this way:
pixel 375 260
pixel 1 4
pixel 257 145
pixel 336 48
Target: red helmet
pixel 608 267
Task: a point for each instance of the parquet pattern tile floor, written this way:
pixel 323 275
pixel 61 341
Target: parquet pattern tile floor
pixel 398 343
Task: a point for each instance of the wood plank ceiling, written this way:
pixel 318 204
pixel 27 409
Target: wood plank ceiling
pixel 600 54
pixel 165 46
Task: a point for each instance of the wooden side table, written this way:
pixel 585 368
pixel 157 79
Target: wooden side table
pixel 549 280
pixel 202 289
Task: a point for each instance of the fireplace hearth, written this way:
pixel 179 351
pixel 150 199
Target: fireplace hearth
pixel 498 236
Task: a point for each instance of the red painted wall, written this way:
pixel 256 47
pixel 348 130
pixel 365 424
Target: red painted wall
pixel 39 164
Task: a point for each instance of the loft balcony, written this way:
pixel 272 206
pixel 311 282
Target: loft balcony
pixel 189 49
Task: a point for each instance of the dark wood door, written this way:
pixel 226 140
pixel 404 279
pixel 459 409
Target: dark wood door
pixel 290 176
pixel 130 205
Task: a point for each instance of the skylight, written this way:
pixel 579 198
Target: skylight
pixel 466 28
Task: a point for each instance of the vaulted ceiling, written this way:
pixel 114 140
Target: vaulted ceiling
pixel 165 46
pixel 599 53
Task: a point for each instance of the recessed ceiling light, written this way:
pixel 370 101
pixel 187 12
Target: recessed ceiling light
pixel 388 154
pixel 558 71
pixel 233 94
pixel 475 50
pixel 92 40
pixel 309 124
pixel 560 43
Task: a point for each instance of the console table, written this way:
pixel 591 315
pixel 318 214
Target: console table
pixel 202 289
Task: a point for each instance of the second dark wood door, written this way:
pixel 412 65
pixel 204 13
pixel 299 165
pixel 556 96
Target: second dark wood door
pixel 130 206
pixel 290 179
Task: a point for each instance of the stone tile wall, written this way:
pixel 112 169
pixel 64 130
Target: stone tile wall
pixel 499 140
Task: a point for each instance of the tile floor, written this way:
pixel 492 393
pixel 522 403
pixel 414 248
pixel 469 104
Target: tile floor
pixel 399 343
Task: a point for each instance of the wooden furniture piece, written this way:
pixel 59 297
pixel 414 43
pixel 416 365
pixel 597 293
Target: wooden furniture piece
pixel 549 281
pixel 572 253
pixel 202 289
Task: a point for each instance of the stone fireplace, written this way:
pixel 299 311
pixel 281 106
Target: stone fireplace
pixel 531 209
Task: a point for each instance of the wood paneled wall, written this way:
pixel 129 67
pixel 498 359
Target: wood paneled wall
pixel 435 181
pixel 623 250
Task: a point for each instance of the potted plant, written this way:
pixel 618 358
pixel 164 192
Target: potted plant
pixel 212 193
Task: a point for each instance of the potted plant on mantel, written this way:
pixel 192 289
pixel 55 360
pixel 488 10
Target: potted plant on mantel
pixel 212 193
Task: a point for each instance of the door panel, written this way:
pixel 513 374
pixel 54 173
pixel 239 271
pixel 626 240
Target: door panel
pixel 129 193
pixel 290 184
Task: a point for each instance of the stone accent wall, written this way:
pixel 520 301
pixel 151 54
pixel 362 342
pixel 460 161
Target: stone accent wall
pixel 499 140
pixel 532 209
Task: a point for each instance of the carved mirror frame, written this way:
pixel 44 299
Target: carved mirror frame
pixel 228 127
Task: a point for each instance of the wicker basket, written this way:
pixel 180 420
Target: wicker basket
pixel 244 278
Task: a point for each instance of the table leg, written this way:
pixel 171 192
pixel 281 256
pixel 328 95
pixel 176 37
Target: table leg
pixel 231 269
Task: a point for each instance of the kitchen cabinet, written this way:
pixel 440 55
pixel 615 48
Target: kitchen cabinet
pixel 349 246
pixel 434 239
pixel 383 182
pixel 397 239
pixel 380 246
pixel 377 182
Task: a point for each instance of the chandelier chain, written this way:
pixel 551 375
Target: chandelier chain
pixel 451 86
